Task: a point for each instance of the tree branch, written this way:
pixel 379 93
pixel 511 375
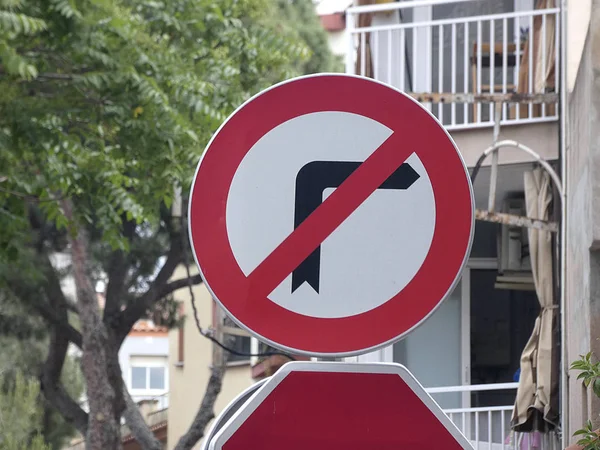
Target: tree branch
pixel 35 300
pixel 206 412
pixel 57 352
pixel 57 76
pixel 181 283
pixel 133 312
pixel 68 408
pixel 117 273
pixel 103 429
pixel 49 314
pixel 137 425
pixel 57 301
pixel 53 390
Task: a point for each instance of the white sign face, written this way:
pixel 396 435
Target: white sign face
pixel 371 256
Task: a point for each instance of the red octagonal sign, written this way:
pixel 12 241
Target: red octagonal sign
pixel 343 406
pixel 331 214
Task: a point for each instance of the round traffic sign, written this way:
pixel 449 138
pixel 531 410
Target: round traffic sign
pixel 331 214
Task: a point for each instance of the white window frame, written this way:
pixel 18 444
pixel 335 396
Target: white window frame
pixel 148 362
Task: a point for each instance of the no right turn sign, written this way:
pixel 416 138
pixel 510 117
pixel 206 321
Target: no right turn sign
pixel 331 214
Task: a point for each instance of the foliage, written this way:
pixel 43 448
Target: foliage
pixel 298 18
pixel 20 416
pixel 107 105
pixel 589 438
pixel 22 356
pixel 57 430
pixel 116 99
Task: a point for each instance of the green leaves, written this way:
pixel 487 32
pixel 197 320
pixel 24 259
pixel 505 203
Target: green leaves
pixel 589 440
pixel 590 374
pixel 589 371
pixel 15 25
pixel 66 8
pixel 110 103
pixel 20 23
pixel 20 416
pixel 14 64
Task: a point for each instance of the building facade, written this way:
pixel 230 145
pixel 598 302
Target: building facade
pixel 582 312
pixel 190 360
pixel 481 68
pixel 144 361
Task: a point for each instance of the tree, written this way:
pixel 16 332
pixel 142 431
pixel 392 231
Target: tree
pixel 20 416
pixel 299 19
pixel 24 342
pixel 21 357
pixel 105 107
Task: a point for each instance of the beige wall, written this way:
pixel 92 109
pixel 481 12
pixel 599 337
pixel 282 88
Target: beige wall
pixel 187 383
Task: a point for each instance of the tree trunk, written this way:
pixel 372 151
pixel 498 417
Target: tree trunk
pixel 206 412
pixel 103 431
pixel 139 429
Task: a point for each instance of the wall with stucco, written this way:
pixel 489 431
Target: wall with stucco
pixel 578 21
pixel 583 221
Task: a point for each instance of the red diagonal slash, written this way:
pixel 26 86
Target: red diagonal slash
pixel 328 216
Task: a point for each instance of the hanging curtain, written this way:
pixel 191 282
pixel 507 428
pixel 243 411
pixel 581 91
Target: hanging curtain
pixel 536 405
pixel 542 80
pixel 364 61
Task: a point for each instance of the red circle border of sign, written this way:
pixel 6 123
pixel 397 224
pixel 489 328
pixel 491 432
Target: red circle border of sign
pixel 437 276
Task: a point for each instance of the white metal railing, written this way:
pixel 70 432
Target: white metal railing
pixel 493 53
pixel 488 427
pixel 158 415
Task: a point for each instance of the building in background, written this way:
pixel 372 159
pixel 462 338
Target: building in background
pixel 190 360
pixel 582 312
pixel 332 14
pixel 144 361
pixel 502 338
pixel 474 65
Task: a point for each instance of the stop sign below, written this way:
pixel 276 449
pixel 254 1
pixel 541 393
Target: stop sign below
pixel 329 405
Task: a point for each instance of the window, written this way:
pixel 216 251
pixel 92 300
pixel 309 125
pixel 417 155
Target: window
pixel 138 377
pixel 238 341
pixel 148 373
pixel 240 344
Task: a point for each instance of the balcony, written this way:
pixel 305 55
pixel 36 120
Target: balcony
pixel 447 53
pixel 488 427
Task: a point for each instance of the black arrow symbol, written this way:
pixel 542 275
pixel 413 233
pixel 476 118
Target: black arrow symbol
pixel 311 181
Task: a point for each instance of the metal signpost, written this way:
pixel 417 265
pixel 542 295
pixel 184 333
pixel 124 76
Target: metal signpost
pixel 330 215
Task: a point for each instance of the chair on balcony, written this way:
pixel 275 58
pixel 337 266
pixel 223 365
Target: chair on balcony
pixel 536 58
pixel 486 65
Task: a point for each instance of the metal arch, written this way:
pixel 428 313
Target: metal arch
pixel 510 143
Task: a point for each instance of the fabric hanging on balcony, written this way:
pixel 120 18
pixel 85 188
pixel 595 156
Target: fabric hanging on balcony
pixel 543 60
pixel 536 405
pixel 364 60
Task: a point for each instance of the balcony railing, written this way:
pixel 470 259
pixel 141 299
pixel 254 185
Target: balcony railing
pixel 157 416
pixel 512 52
pixel 161 401
pixel 488 427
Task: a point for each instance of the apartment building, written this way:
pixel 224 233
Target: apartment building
pixel 514 83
